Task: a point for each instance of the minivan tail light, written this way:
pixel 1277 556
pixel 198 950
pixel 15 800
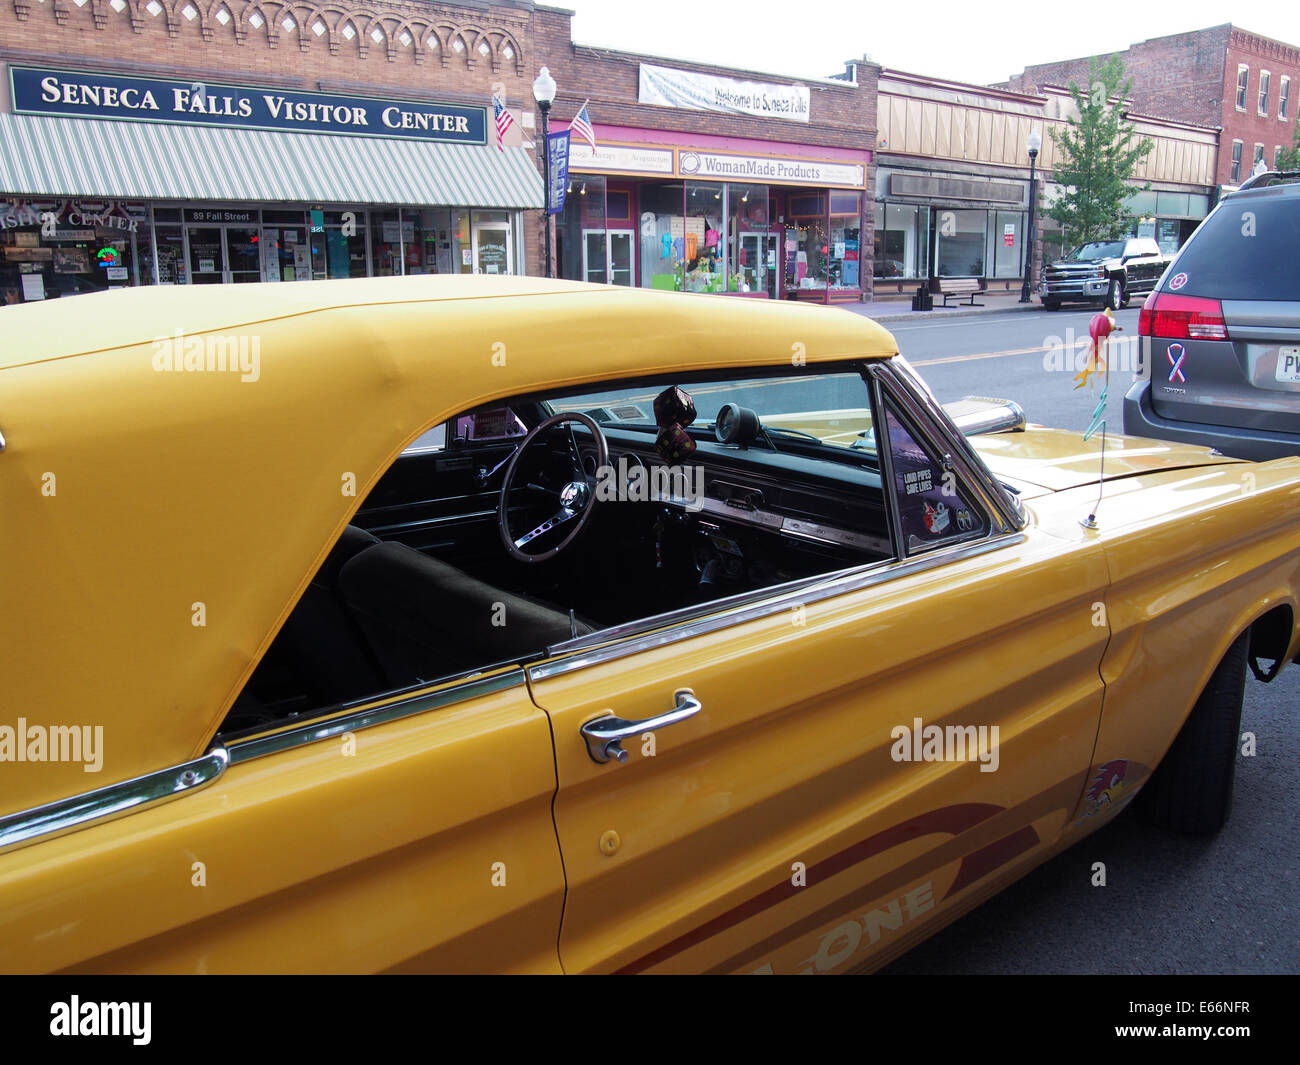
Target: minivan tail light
pixel 1168 315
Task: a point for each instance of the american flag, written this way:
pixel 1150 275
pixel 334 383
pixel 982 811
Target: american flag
pixel 581 125
pixel 504 121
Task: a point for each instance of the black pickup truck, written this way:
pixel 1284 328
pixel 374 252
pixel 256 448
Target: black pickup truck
pixel 1106 272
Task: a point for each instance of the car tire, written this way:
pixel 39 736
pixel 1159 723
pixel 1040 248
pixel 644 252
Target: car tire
pixel 1116 297
pixel 1051 305
pixel 1190 791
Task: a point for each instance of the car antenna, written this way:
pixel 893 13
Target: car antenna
pixel 1100 329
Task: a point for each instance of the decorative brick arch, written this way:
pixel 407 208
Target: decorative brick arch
pixel 243 23
pixel 211 24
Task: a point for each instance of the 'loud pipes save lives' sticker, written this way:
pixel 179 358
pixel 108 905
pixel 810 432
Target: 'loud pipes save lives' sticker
pixel 929 504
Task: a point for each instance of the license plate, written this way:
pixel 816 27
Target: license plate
pixel 1288 365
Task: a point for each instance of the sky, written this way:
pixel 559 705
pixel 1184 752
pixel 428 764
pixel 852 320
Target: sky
pixel 964 41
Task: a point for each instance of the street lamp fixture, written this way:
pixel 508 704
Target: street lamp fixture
pixel 544 93
pixel 1033 143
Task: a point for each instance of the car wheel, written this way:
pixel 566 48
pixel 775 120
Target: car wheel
pixel 1051 305
pixel 1190 792
pixel 1116 298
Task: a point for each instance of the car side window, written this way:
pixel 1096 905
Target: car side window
pixel 933 509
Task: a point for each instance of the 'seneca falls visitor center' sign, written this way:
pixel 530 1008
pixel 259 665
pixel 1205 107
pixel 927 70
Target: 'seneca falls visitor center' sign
pixel 42 91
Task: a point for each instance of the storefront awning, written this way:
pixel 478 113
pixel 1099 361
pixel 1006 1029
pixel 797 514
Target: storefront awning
pixel 56 157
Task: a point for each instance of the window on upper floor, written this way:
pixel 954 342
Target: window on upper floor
pixel 1235 176
pixel 1265 80
pixel 1284 98
pixel 1243 75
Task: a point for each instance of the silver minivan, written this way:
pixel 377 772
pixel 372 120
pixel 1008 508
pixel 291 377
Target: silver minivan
pixel 1220 345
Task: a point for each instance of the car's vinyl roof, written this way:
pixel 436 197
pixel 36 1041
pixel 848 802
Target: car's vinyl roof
pixel 128 317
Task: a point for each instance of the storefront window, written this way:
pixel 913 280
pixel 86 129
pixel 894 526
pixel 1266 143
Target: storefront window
pixel 902 242
pixel 703 251
pixel 663 241
pixel 747 238
pixel 960 239
pixel 345 243
pixel 1006 243
pixel 806 235
pixel 53 249
pixel 844 243
pixel 285 246
pixel 390 234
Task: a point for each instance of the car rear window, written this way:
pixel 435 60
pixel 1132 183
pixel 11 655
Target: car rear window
pixel 1246 250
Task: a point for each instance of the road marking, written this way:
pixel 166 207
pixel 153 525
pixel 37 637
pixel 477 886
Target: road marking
pixel 980 355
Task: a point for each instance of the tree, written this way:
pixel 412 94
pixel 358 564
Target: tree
pixel 1289 158
pixel 1097 153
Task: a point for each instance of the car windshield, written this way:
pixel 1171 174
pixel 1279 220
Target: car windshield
pixel 803 409
pixel 1097 249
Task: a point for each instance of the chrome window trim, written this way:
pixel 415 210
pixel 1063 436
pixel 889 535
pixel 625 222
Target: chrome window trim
pixel 946 438
pixel 111 802
pixel 108 803
pixel 814 590
pixel 300 735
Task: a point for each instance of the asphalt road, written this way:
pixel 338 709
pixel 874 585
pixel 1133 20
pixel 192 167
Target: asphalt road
pixel 1230 904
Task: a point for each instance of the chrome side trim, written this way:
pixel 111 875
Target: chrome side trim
pixel 2 442
pixel 259 746
pixel 107 803
pixel 153 789
pixel 813 591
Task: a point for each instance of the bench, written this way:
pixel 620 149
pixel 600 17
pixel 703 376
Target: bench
pixel 959 288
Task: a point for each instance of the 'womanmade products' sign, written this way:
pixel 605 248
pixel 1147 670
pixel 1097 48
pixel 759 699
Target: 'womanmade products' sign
pixel 42 91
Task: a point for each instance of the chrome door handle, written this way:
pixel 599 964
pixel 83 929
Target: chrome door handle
pixel 605 734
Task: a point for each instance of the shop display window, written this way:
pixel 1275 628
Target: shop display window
pixel 1006 243
pixel 960 237
pixel 54 249
pixel 662 232
pixel 703 238
pixel 902 241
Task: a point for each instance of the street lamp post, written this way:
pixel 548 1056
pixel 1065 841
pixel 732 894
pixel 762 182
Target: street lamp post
pixel 544 93
pixel 1034 142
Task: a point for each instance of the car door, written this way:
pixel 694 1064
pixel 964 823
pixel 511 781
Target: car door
pixel 776 810
pixel 414 835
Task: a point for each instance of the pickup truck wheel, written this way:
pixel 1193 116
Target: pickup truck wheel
pixel 1191 790
pixel 1116 298
pixel 1051 305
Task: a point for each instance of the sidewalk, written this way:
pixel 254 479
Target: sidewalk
pixel 900 310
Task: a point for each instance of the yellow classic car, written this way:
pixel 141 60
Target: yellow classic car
pixel 511 625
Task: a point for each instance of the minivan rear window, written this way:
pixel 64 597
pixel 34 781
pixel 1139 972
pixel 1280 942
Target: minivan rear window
pixel 1248 249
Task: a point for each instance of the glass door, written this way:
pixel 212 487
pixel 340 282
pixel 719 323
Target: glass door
pixel 243 261
pixel 492 250
pixel 593 256
pixel 206 255
pixel 621 242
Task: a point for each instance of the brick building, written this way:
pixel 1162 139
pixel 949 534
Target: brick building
pixel 713 179
pixel 193 141
pixel 1221 76
pixel 208 141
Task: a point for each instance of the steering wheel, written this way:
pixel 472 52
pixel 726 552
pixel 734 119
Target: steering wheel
pixel 576 500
